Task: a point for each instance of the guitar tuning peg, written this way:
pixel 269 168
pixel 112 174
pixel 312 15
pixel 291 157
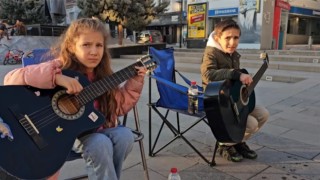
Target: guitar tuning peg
pixel 263 55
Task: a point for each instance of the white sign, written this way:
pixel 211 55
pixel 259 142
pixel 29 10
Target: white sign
pixel 175 18
pixel 316 13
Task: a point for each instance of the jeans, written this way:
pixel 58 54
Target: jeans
pixel 105 151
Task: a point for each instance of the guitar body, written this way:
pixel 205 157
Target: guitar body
pixel 45 123
pixel 32 154
pixel 219 99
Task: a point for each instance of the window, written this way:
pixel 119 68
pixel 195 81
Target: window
pixel 302 27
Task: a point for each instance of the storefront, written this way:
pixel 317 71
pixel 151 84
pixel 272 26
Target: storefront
pixel 280 23
pixel 303 24
pixel 169 25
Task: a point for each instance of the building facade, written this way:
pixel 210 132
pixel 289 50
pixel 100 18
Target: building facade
pixel 270 24
pixel 265 24
pixel 173 23
pixel 303 22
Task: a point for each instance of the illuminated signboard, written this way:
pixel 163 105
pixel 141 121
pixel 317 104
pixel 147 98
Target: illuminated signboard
pixel 197 18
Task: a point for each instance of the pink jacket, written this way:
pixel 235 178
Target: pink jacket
pixel 43 76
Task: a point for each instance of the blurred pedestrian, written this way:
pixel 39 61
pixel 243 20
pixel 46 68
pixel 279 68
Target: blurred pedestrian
pixel 4 29
pixel 19 28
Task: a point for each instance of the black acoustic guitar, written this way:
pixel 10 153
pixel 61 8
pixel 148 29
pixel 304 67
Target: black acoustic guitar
pixel 45 123
pixel 228 103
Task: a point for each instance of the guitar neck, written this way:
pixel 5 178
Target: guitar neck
pixel 108 83
pixel 257 77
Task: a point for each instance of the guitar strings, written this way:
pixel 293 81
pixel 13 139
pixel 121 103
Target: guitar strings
pixel 48 116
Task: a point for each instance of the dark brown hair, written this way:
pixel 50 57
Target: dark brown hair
pixel 224 25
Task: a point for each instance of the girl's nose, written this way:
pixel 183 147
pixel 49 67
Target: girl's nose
pixel 94 50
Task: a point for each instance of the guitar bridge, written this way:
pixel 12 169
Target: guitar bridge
pixel 29 127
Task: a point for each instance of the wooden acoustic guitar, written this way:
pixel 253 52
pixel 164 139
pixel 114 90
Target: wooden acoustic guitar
pixel 228 103
pixel 46 122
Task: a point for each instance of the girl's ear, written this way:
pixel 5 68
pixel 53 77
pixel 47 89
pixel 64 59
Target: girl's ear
pixel 216 38
pixel 71 48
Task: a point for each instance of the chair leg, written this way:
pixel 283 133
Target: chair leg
pixel 178 134
pixel 143 157
pixel 213 162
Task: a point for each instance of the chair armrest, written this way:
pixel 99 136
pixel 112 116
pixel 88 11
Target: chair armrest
pixel 174 86
pixel 187 81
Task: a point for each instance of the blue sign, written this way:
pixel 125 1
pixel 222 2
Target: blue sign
pixel 304 11
pixel 184 14
pixel 223 12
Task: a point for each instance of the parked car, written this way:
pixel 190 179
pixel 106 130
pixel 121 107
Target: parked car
pixel 149 36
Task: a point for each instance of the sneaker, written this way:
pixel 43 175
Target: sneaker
pixel 245 151
pixel 229 153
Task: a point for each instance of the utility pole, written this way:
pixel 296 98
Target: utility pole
pixel 181 16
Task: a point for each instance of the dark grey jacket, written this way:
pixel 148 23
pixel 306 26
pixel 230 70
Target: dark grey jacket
pixel 217 65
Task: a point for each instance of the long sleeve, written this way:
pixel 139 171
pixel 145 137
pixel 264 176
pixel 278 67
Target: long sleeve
pixel 128 95
pixel 215 66
pixel 39 75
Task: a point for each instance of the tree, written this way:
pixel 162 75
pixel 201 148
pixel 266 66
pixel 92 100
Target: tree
pixel 35 11
pixel 133 14
pixel 29 11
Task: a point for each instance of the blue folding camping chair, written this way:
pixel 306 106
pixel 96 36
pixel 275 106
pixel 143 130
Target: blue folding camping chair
pixel 37 56
pixel 173 98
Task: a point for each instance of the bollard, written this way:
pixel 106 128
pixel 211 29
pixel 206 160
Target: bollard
pixel 310 42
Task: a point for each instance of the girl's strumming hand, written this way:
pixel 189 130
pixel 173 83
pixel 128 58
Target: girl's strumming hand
pixel 71 84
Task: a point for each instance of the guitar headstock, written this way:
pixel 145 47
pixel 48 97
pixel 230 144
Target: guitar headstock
pixel 148 62
pixel 264 56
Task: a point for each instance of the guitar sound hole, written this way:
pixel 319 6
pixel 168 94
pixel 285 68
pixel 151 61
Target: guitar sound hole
pixel 244 95
pixel 68 104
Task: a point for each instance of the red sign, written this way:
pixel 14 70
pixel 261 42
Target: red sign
pixel 283 5
pixel 197 18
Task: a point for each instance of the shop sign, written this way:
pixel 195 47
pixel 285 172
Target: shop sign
pixel 197 16
pixel 316 13
pixel 283 4
pixel 304 11
pixel 223 12
pixel 175 18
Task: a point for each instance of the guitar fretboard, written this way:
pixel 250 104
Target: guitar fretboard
pixel 257 77
pixel 97 88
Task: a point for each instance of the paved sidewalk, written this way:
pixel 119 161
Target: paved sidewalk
pixel 288 145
